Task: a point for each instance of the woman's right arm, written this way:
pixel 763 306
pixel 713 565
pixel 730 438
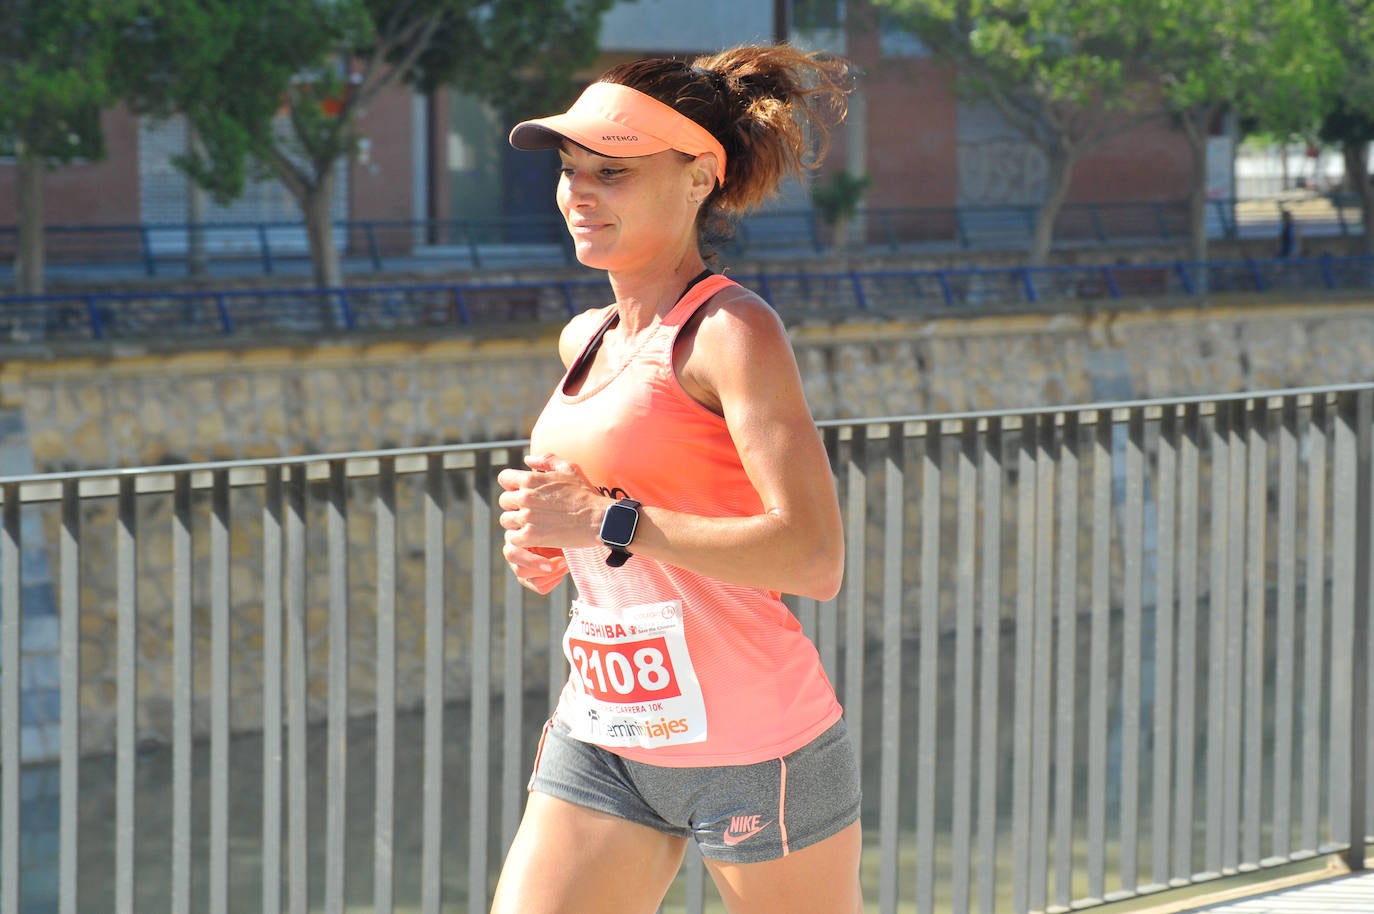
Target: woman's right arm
pixel 541 568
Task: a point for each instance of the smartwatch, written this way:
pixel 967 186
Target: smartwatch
pixel 618 530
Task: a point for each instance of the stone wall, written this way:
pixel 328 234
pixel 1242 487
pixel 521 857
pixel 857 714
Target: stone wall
pixel 140 406
pixel 150 405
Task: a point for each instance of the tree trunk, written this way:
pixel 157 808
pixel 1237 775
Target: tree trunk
pixel 839 234
pixel 317 206
pixel 1356 157
pixel 1056 189
pixel 324 255
pixel 29 259
pixel 196 206
pixel 1195 128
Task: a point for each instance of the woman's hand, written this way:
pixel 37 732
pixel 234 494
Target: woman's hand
pixel 544 509
pixel 539 568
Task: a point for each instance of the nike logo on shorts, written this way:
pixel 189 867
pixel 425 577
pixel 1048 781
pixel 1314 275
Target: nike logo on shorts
pixel 742 828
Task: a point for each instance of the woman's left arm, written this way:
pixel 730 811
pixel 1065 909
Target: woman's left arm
pixel 740 364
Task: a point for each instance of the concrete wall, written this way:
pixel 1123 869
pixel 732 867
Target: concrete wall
pixel 134 405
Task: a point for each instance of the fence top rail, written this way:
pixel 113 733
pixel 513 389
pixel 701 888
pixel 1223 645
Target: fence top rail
pixel 1012 270
pixel 1088 412
pixel 359 463
pixel 46 487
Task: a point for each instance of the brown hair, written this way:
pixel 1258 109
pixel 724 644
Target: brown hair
pixel 770 106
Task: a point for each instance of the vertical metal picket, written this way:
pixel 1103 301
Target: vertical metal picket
pixel 10 591
pixel 273 656
pixel 1099 622
pixel 1024 665
pixel 1066 662
pixel 126 735
pixel 991 470
pixel 1285 627
pixel 889 779
pixel 297 764
pixel 1185 720
pixel 336 755
pixel 1355 823
pixel 431 866
pixel 384 803
pixel 183 691
pixel 928 663
pixel 69 767
pixel 1162 750
pixel 965 633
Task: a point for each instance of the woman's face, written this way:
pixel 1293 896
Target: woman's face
pixel 631 213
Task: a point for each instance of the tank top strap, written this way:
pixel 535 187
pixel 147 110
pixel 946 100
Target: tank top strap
pixel 698 295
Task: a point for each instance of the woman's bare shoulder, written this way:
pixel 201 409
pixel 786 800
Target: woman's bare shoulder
pixel 579 330
pixel 735 309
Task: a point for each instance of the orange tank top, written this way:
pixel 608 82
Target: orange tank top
pixel 762 690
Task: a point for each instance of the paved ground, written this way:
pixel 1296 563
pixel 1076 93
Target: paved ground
pixel 1353 894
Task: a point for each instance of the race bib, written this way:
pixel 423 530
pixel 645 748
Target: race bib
pixel 632 681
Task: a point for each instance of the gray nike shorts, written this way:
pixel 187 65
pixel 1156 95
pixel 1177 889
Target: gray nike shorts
pixel 735 813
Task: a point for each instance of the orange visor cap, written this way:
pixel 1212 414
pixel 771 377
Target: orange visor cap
pixel 615 120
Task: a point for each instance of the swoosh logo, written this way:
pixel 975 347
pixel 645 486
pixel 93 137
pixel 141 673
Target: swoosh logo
pixel 733 837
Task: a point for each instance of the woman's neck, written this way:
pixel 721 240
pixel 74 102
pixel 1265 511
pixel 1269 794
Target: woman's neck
pixel 642 298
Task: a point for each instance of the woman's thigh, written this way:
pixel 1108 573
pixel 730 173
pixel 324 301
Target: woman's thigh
pixel 569 859
pixel 820 879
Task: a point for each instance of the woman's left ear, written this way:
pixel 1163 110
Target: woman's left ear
pixel 703 176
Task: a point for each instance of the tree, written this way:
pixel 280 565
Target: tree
pixel 277 86
pixel 1211 57
pixel 1353 129
pixel 1063 73
pixel 55 58
pixel 1349 113
pixel 837 200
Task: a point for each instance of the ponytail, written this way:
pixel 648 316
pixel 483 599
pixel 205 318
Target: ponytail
pixel 770 106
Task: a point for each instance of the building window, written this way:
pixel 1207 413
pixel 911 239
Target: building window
pixel 472 155
pixel 898 41
pixel 817 15
pixel 163 195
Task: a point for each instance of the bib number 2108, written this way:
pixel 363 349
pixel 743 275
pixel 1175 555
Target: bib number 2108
pixel 632 671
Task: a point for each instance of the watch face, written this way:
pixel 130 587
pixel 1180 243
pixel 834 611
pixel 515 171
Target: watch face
pixel 618 526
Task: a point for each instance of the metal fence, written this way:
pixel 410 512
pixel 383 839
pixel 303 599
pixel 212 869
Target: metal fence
pixel 179 315
pixel 1089 653
pixel 266 248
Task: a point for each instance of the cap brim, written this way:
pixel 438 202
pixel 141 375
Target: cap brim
pixel 604 137
pixel 617 121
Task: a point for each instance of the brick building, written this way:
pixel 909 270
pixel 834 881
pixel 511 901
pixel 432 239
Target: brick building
pixel 445 156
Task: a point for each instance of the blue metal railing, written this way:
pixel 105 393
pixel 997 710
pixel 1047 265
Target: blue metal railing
pixel 266 248
pixel 169 314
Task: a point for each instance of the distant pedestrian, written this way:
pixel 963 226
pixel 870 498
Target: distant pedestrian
pixel 1290 236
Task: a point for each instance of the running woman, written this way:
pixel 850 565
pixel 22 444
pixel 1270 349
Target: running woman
pixel 677 475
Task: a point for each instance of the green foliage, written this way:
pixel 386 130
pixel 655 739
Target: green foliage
pixel 838 197
pixel 55 65
pixel 1347 123
pixel 1348 114
pixel 1063 73
pixel 516 54
pixel 1071 52
pixel 233 66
